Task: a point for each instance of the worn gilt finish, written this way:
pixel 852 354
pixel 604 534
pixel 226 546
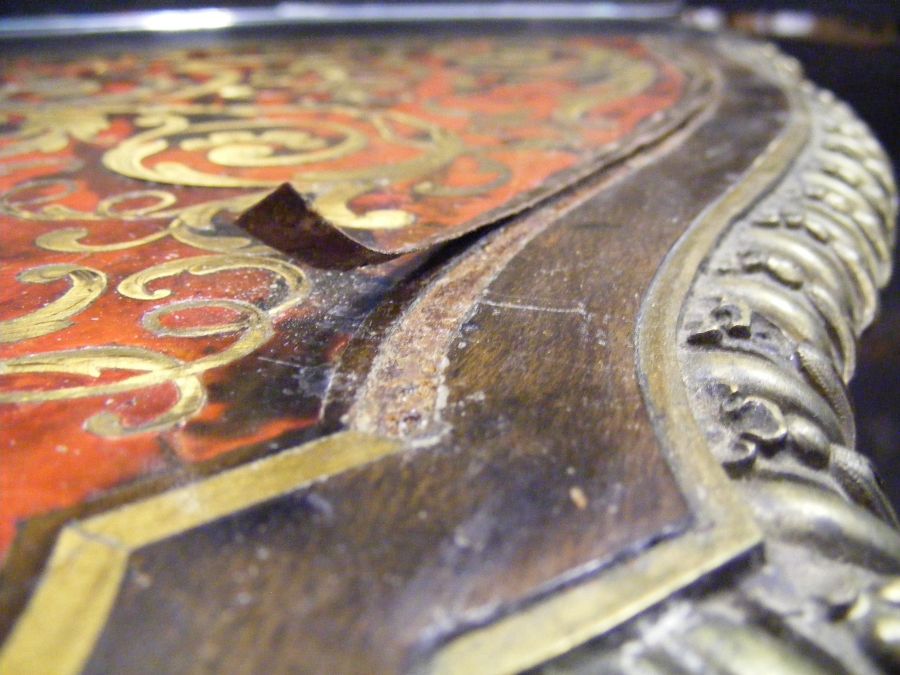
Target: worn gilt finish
pixel 617 420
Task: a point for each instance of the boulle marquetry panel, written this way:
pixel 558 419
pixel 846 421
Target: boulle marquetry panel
pixel 476 353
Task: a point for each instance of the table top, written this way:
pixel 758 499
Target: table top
pixel 401 353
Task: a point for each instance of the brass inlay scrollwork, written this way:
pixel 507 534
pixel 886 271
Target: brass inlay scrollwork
pixel 245 147
pixel 190 225
pixel 238 143
pixel 86 286
pixel 135 286
pixel 244 142
pixel 254 328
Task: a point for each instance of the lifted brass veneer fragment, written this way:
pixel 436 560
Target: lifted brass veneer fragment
pixel 285 221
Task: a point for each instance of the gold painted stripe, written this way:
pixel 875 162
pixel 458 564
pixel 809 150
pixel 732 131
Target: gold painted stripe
pixel 59 628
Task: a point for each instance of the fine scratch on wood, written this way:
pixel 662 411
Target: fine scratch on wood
pixel 535 308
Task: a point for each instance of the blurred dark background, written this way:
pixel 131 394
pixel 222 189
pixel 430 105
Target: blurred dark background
pixel 848 46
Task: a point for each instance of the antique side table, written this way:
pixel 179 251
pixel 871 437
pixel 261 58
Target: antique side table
pixel 426 352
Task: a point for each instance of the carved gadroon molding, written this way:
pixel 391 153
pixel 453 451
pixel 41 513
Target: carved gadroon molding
pixel 766 345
